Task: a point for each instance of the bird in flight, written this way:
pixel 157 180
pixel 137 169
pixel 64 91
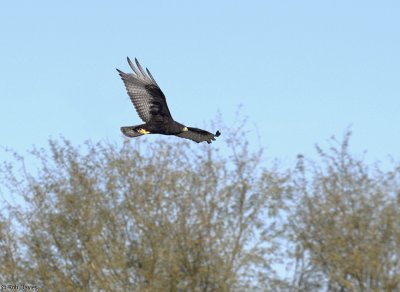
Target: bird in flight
pixel 152 108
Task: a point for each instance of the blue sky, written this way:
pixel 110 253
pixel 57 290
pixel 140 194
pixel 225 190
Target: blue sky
pixel 303 70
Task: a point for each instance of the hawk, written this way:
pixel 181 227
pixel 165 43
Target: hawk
pixel 152 108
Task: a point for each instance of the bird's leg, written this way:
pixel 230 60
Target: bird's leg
pixel 143 131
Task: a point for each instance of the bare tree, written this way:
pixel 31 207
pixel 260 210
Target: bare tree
pixel 179 216
pixel 142 216
pixel 346 223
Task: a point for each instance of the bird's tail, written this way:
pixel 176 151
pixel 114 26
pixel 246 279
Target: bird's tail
pixel 134 131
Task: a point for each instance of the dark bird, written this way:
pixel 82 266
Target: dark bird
pixel 152 108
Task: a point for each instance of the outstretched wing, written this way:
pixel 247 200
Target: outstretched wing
pixel 199 135
pixel 145 94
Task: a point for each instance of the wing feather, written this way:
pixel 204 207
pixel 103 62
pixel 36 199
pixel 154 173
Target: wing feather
pixel 199 135
pixel 133 67
pixel 145 94
pixel 151 76
pixel 140 68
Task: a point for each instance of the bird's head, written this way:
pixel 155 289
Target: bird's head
pixel 185 129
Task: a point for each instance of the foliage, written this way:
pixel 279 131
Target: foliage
pixel 179 216
pixel 346 223
pixel 144 217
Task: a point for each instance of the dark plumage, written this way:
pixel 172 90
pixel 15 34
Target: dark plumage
pixel 152 108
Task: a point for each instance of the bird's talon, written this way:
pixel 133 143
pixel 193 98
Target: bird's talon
pixel 143 131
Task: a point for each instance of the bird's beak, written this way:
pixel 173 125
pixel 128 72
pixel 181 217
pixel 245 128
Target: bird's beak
pixel 185 129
